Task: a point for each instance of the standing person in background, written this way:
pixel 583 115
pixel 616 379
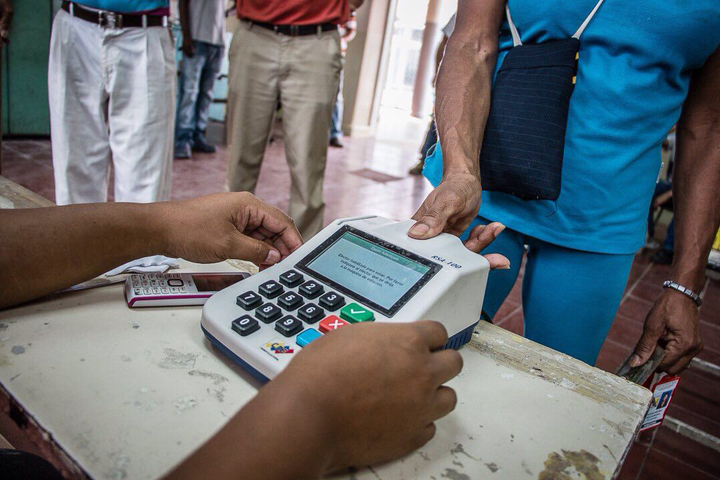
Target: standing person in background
pixel 203 25
pixel 347 33
pixel 575 182
pixel 431 136
pixel 287 51
pixel 111 85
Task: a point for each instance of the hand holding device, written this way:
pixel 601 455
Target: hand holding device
pixel 311 420
pixel 217 227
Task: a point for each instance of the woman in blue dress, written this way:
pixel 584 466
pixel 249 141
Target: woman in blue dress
pixel 641 67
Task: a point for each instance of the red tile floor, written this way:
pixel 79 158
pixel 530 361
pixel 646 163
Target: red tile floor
pixel 369 176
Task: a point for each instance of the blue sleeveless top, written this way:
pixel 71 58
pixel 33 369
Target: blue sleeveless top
pixel 635 63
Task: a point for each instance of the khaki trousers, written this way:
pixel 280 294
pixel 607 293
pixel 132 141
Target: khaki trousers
pixel 302 73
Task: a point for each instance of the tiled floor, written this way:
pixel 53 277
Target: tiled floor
pixel 369 176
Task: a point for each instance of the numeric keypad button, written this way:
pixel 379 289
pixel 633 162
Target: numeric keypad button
pixel 310 313
pixel 271 289
pixel 268 313
pixel 311 289
pixel 290 300
pixel 332 301
pixel 288 326
pixel 249 300
pixel 245 325
pixel 291 279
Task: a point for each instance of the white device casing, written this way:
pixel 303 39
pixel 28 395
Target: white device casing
pixel 453 296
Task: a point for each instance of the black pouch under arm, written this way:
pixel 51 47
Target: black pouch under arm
pixel 524 141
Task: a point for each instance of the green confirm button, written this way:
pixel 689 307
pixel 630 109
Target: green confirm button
pixel 355 313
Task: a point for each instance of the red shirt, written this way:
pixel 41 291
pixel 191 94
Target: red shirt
pixel 294 12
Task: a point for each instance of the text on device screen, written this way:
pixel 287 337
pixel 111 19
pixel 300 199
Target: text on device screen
pixel 369 270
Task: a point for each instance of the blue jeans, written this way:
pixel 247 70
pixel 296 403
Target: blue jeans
pixel 337 113
pixel 569 297
pixel 430 139
pixel 197 78
pixel 669 244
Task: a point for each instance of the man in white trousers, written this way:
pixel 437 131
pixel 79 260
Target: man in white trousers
pixel 111 85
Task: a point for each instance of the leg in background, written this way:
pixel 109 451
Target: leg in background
pixel 570 297
pixel 252 97
pixel 669 244
pixel 430 141
pixel 337 114
pixel 78 112
pixel 142 112
pixel 205 95
pixel 190 80
pixel 308 92
pixel 500 282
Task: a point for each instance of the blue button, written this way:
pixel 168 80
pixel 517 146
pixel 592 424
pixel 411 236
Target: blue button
pixel 308 336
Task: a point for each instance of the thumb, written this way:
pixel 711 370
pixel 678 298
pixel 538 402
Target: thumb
pixel 646 345
pixel 252 250
pixel 430 223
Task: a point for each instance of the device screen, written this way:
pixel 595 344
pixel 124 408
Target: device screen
pixel 214 282
pixel 381 273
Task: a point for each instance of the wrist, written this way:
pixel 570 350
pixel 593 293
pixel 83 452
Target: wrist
pixel 677 292
pixel 155 222
pixel 302 444
pixel 692 278
pixel 460 172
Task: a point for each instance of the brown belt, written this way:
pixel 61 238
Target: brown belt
pixel 296 30
pixel 108 19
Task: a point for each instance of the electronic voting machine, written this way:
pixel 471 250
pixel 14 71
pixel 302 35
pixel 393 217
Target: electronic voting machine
pixel 364 269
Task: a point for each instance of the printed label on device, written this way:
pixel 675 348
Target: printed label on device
pixel 663 386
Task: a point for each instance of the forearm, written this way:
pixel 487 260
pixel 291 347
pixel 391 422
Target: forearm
pixel 697 176
pixel 275 436
pixel 48 249
pixel 463 100
pixel 696 201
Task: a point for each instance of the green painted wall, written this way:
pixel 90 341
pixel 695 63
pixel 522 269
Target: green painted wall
pixel 24 62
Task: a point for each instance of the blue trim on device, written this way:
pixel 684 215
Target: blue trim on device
pixel 454 342
pixel 460 338
pixel 249 368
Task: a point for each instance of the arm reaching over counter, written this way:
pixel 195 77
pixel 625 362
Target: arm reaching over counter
pixel 461 110
pixel 48 249
pixel 323 413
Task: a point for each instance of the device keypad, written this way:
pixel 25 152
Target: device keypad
pixel 271 289
pixel 290 301
pixel 245 325
pixel 284 302
pixel 291 279
pixel 268 313
pixel 288 326
pixel 332 301
pixel 249 300
pixel 310 313
pixel 311 289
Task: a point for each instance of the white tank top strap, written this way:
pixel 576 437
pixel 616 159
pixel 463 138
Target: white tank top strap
pixel 580 30
pixel 513 29
pixel 587 20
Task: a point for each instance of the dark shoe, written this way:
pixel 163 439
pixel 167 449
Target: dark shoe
pixel 201 145
pixel 182 150
pixel 662 257
pixel 417 169
pixel 336 143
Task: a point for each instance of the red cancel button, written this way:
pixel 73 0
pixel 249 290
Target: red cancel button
pixel 330 323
